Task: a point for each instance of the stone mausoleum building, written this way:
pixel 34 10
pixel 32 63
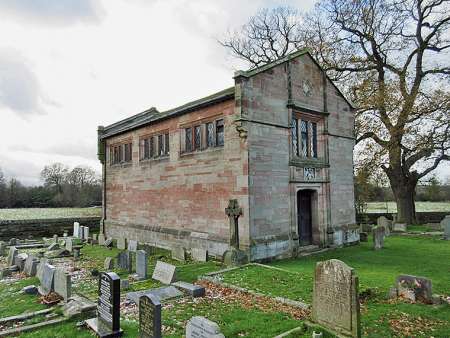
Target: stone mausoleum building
pixel 280 141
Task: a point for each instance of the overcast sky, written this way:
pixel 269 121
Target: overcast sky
pixel 67 66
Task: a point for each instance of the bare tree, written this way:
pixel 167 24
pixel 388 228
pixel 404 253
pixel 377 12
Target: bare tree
pixel 54 175
pixel 269 35
pixel 81 176
pixel 391 57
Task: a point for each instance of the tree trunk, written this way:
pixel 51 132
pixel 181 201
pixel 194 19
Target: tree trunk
pixel 404 193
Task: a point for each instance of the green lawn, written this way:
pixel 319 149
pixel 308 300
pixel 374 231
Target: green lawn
pixel 43 213
pixel 391 207
pixel 429 257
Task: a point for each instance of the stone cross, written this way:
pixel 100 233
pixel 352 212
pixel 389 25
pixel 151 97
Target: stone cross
pixel 233 211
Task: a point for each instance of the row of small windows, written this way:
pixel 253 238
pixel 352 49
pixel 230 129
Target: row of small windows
pixel 199 137
pixel 304 138
pixel 203 136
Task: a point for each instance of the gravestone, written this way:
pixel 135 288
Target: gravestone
pixel 201 327
pixel 141 264
pixel 53 246
pixel 378 237
pixel 199 255
pixel 101 239
pixel 94 237
pixel 2 248
pixel 13 252
pixel 19 260
pixel 69 244
pixel 108 243
pixel 121 243
pixel 125 261
pixel 414 288
pixel 335 298
pixel 132 245
pixel 63 284
pixel 179 253
pixel 55 238
pixel 76 251
pixel 47 280
pixel 109 263
pixel 445 224
pixel 149 317
pixel 234 256
pixel 162 293
pixel 76 229
pixel 85 233
pixel 13 242
pixel 164 272
pixel 40 267
pixel 363 236
pixel 399 227
pixel 31 264
pixel 191 289
pixel 107 322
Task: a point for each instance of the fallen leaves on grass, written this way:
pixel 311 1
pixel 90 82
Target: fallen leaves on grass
pixel 406 325
pixel 249 301
pixel 50 299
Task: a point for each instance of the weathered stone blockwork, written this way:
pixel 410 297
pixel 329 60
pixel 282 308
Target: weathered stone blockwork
pixel 180 199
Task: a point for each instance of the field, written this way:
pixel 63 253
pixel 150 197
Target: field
pixel 391 207
pixel 45 213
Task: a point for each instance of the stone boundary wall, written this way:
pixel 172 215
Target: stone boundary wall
pixel 422 217
pixel 43 227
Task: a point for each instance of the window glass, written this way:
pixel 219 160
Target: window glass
pixel 313 141
pixel 210 134
pixel 146 148
pixel 197 137
pixel 188 140
pixel 166 144
pixel 219 133
pixel 304 137
pixel 294 132
pixel 160 145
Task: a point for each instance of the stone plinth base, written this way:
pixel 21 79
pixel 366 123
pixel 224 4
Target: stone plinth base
pixel 233 257
pixel 101 331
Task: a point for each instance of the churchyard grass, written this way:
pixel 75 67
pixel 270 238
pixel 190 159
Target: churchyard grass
pixel 47 213
pixel 391 207
pixel 420 256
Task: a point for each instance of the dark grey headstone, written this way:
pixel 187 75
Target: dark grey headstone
pixel 107 322
pixel 164 272
pixel 141 264
pixel 335 298
pixel 415 288
pixel 201 327
pixel 125 261
pixel 30 290
pixel 191 289
pixel 108 243
pixel 149 317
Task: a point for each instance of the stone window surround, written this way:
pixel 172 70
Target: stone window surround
pixel 121 144
pixel 155 135
pixel 319 120
pixel 203 123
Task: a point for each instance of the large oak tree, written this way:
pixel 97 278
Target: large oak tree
pixel 391 58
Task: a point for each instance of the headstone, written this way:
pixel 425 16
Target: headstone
pixel 95 237
pixel 69 244
pixel 31 264
pixel 162 293
pixel 30 290
pixel 132 245
pixel 76 229
pixel 164 272
pixel 124 284
pixel 201 327
pixel 199 255
pixel 191 289
pixel 109 263
pixel 101 239
pixel 445 223
pixel 363 236
pixel 378 237
pixel 414 288
pixel 141 264
pixel 107 322
pixel 13 252
pixel 121 243
pixel 63 284
pixel 53 246
pixel 2 248
pixel 149 317
pixel 76 252
pixel 108 243
pixel 13 242
pixel 384 222
pixel 335 298
pixel 47 280
pixel 55 238
pixel 85 233
pixel 178 253
pixel 40 267
pixel 399 227
pixel 234 256
pixel 125 261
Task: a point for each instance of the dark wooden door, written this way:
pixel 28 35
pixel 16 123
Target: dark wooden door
pixel 304 217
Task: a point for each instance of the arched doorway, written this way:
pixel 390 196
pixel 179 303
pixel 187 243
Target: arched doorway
pixel 305 216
